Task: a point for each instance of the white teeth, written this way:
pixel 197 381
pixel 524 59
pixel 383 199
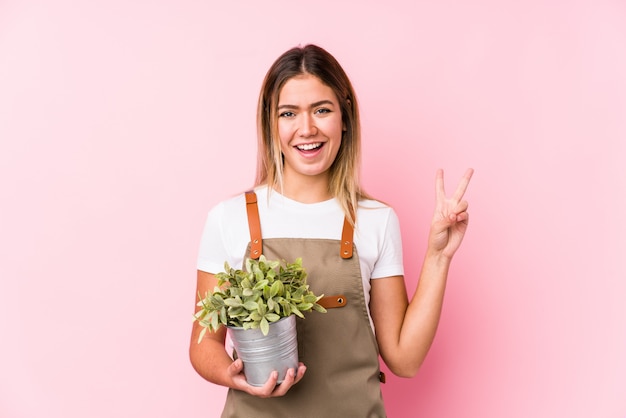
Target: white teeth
pixel 308 147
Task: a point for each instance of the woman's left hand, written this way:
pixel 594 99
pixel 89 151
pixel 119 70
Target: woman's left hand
pixel 450 218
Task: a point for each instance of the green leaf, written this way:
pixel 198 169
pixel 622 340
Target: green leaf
pixel 214 320
pixel 201 336
pixel 235 291
pixel 233 302
pixel 277 288
pixel 305 306
pixel 250 305
pixel 235 310
pixel 295 310
pixel 262 308
pixel 246 284
pixel 272 317
pixel 287 308
pixel 310 298
pixel 274 264
pixel 265 326
pixel 261 284
pixel 319 308
pixel 199 315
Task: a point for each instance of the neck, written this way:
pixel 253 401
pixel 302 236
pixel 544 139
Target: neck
pixel 306 189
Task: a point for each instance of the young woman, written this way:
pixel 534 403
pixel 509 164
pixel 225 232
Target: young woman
pixel 308 195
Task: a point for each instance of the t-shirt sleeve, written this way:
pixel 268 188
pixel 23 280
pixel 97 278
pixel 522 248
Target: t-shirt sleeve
pixel 212 252
pixel 390 261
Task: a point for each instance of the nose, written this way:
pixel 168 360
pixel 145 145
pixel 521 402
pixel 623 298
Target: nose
pixel 307 126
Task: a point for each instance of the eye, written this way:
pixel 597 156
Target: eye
pixel 323 110
pixel 286 114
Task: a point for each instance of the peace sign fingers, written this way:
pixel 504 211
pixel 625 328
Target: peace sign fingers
pixel 459 192
pixel 450 217
pixel 462 187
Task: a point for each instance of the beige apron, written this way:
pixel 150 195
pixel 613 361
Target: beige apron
pixel 338 347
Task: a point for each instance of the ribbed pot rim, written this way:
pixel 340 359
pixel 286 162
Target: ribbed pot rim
pixel 257 329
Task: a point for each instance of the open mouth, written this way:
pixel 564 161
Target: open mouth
pixel 310 147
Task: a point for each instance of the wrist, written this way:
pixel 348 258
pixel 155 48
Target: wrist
pixel 437 257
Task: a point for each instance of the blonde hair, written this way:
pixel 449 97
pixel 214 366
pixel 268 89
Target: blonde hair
pixel 344 172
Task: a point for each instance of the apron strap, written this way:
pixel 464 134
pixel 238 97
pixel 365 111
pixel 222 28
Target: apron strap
pixel 254 223
pixel 256 241
pixel 347 234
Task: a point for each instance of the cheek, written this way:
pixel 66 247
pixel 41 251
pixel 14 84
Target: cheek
pixel 338 131
pixel 282 132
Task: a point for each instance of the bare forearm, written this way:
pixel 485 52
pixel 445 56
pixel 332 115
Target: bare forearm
pixel 405 331
pixel 210 360
pixel 423 313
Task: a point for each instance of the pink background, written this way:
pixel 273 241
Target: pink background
pixel 123 122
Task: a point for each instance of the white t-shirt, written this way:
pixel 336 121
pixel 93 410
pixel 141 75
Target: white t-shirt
pixel 376 236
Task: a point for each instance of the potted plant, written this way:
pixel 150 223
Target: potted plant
pixel 259 306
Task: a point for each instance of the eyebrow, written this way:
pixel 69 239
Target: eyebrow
pixel 316 104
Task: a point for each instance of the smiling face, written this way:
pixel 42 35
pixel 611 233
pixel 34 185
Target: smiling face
pixel 309 127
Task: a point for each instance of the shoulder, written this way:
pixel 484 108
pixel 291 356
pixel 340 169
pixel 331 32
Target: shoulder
pixel 238 201
pixel 377 221
pixel 371 210
pixel 373 204
pixel 229 209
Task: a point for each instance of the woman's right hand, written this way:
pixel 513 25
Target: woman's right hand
pixel 270 389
